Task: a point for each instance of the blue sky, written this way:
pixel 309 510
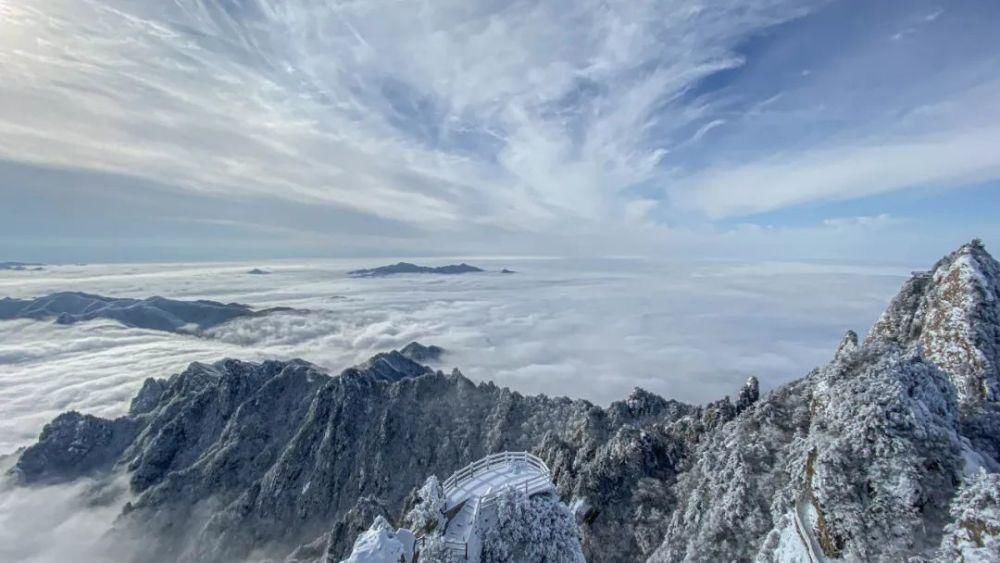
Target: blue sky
pixel 142 130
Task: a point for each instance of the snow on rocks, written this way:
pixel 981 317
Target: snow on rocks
pixel 952 315
pixel 427 515
pixel 973 536
pixel 381 543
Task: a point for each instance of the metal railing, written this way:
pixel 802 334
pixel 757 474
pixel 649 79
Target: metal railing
pixel 483 465
pixel 539 482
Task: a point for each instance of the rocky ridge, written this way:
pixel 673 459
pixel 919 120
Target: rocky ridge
pixel 408 268
pixel 154 313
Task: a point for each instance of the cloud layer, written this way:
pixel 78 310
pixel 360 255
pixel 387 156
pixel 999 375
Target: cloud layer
pixel 583 328
pixel 425 112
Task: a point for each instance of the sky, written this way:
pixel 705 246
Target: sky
pixel 142 130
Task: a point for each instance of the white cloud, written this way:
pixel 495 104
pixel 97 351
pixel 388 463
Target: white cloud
pixel 583 328
pixel 864 221
pixel 441 114
pixel 57 522
pixel 851 171
pixel 471 124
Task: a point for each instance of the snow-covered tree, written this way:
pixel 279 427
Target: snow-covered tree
pixel 427 514
pixel 974 535
pixel 381 543
pixel 539 529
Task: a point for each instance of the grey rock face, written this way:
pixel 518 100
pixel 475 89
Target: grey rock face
pixel 148 396
pixel 155 313
pixel 75 445
pixel 408 268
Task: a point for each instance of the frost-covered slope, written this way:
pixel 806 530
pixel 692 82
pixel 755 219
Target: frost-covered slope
pixel 868 452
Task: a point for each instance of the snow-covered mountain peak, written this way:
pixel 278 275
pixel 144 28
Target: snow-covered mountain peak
pixel 952 314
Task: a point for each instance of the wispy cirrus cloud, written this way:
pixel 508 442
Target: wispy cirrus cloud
pixel 521 115
pixel 854 170
pixel 475 124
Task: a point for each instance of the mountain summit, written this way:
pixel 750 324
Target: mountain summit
pixel 952 314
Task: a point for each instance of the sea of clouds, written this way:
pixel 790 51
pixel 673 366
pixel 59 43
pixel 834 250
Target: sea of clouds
pixel 590 329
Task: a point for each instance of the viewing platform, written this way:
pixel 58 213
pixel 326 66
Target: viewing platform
pixel 473 491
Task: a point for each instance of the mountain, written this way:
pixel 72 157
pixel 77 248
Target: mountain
pixel 867 453
pixel 408 268
pixel 952 313
pixel 154 313
pixel 237 457
pixel 887 453
pixel 21 266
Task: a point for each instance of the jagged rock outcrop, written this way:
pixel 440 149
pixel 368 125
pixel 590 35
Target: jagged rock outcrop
pixel 75 445
pixel 422 354
pixel 381 543
pixel 871 443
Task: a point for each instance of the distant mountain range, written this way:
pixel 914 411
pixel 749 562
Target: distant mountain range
pixel 21 266
pixel 408 268
pixel 154 313
pixel 888 453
